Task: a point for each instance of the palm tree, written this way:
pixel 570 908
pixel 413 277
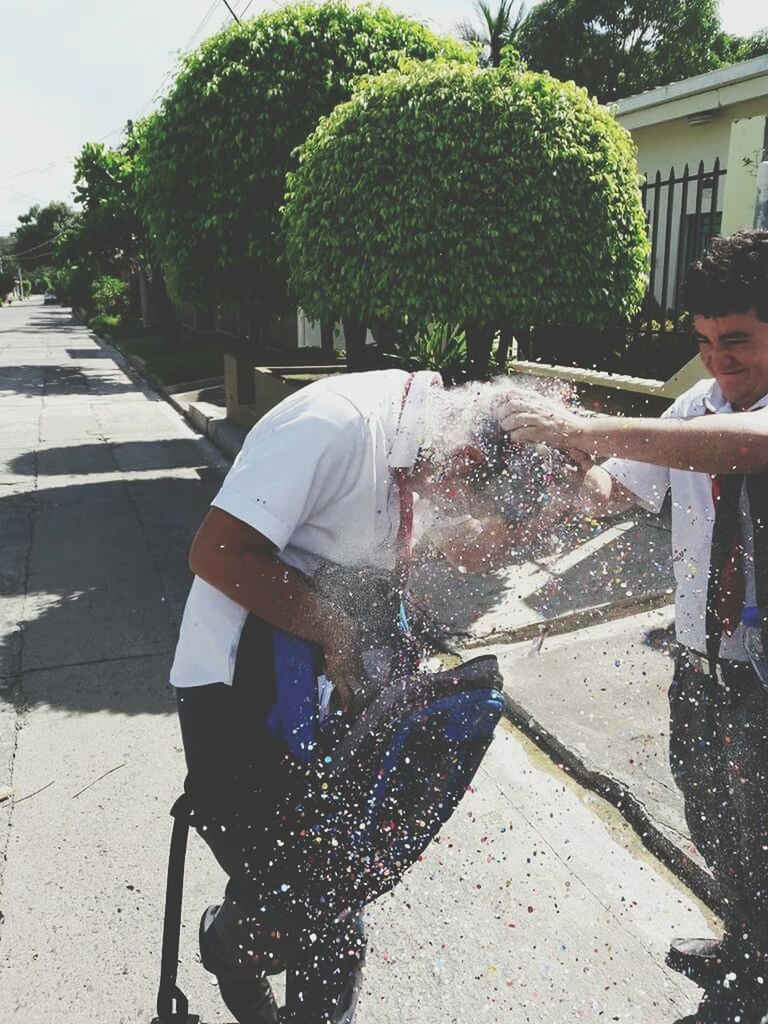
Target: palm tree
pixel 497 28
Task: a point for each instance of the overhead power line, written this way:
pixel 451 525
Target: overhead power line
pixel 227 5
pixel 16 255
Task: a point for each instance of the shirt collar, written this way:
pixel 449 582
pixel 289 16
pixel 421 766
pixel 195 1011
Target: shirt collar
pixel 412 420
pixel 716 401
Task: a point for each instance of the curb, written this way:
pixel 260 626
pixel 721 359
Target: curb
pixel 569 622
pixel 631 809
pixel 224 434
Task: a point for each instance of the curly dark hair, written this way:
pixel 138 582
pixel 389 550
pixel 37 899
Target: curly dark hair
pixel 731 277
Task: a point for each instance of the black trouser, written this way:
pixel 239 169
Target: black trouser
pixel 719 759
pixel 256 932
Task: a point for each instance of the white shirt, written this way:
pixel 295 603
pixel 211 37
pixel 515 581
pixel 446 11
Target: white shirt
pixel 314 476
pixel 693 516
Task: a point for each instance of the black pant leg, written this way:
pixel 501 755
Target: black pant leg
pixel 246 937
pixel 700 769
pixel 744 738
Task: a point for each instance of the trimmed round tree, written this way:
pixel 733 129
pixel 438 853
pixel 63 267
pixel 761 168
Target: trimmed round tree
pixel 213 163
pixel 446 193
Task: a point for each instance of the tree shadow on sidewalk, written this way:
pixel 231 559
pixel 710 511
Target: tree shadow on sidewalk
pixel 35 380
pixel 104 570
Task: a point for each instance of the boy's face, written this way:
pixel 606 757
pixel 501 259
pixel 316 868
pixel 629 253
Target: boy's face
pixel 452 487
pixel 734 349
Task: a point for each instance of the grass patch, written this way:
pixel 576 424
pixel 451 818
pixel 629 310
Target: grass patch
pixel 187 359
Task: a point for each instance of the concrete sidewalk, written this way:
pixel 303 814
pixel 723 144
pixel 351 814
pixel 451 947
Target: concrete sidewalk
pixel 537 904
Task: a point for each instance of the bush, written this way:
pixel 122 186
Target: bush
pixel 105 323
pixel 74 286
pixel 7 283
pixel 213 162
pixel 439 347
pixel 111 296
pixel 444 193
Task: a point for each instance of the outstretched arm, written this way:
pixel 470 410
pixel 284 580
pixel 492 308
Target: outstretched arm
pixel 706 444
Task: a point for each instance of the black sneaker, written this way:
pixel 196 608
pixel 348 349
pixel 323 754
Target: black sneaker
pixel 248 997
pixel 250 1002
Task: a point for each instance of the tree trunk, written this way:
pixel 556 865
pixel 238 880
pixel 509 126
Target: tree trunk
pixel 327 339
pixel 146 307
pixel 479 343
pixel 354 333
pixel 163 311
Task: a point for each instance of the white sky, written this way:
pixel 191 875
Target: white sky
pixel 77 71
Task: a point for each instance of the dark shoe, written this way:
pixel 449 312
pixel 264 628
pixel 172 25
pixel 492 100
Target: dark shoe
pixel 701 960
pixel 325 985
pixel 249 1002
pixel 245 991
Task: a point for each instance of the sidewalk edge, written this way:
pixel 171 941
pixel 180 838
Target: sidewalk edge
pixel 631 809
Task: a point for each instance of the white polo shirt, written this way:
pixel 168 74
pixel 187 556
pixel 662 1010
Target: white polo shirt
pixel 314 476
pixel 693 516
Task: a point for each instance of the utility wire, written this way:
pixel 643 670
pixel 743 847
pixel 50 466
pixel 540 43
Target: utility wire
pixel 34 247
pixel 227 5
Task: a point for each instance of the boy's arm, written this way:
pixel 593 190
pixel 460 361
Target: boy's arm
pixel 706 444
pixel 242 563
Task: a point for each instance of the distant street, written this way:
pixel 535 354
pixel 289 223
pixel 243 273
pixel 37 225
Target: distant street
pixel 536 905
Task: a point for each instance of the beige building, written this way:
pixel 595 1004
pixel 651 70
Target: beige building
pixel 702 149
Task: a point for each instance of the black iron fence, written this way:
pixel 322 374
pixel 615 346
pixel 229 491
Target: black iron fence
pixel 684 213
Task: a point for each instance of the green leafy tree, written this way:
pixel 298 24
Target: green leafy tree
pixel 7 282
pixel 213 165
pixel 109 231
pixel 734 49
pixel 480 198
pixel 619 49
pixel 110 236
pixel 493 28
pixel 35 239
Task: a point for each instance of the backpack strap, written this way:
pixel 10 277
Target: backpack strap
pixel 172 1005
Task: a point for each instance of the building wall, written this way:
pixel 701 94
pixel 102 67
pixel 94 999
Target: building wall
pixel 675 143
pixel 672 142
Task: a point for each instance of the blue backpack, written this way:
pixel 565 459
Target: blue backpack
pixel 365 791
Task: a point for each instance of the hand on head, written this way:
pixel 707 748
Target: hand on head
pixel 529 416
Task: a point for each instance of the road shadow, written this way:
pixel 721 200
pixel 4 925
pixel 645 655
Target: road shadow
pixel 61 380
pixel 60 322
pixel 100 457
pixel 93 580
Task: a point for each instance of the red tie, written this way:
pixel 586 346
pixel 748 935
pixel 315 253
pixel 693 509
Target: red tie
pixel 405 530
pixel 729 603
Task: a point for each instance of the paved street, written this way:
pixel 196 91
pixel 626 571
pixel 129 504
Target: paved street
pixel 538 904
